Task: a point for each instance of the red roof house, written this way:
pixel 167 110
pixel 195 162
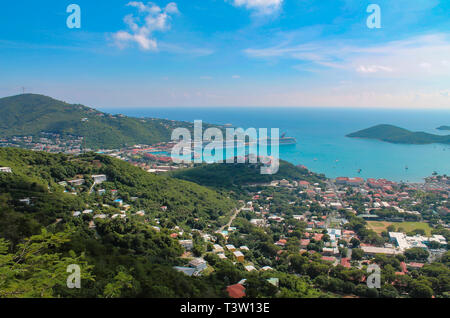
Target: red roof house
pixel 236 291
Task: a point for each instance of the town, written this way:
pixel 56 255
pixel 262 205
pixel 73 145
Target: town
pixel 344 222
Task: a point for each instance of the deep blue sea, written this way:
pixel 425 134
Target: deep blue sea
pixel 322 145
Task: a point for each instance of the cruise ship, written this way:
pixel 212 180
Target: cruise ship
pixel 283 140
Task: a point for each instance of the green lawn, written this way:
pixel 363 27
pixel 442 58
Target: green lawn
pixel 379 227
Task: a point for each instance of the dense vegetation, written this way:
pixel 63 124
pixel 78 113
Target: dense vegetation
pixel 119 257
pixel 395 134
pixel 131 258
pixel 232 176
pixel 31 114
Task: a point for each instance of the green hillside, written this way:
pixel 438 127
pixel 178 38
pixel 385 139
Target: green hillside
pixel 126 257
pixel 131 257
pixel 38 174
pixel 31 114
pixel 235 175
pixel 393 134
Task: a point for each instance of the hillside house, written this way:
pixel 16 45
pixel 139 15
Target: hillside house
pixel 239 256
pixel 198 263
pixel 187 244
pixel 99 178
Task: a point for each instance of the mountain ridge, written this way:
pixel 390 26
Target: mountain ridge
pixel 32 114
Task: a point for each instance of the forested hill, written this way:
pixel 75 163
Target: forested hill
pixel 395 134
pixel 37 174
pixel 119 257
pixel 31 114
pixel 230 176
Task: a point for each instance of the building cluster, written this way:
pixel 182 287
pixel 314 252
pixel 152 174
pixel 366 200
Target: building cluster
pixel 329 228
pixel 49 142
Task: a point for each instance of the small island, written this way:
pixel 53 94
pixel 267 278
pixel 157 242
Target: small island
pixel 394 134
pixel 443 128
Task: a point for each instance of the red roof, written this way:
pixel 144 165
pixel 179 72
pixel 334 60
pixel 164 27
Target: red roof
pixel 318 237
pixel 304 242
pixel 403 267
pixel 345 262
pixel 329 258
pixel 419 265
pixel 236 291
pixel 356 179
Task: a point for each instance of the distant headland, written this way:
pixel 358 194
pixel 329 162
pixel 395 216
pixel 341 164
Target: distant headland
pixel 394 134
pixel 443 128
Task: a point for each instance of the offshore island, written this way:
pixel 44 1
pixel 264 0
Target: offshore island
pixel 394 134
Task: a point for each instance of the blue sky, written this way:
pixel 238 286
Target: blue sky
pixel 229 53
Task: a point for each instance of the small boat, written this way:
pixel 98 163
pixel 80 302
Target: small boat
pixel 406 168
pixel 359 170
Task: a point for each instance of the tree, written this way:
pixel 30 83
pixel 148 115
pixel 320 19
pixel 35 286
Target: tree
pixel 122 283
pixel 388 291
pixel 416 253
pixel 35 269
pixel 420 290
pixel 357 254
pixel 355 242
pixel 343 251
pixel 391 228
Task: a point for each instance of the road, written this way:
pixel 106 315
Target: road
pixel 226 226
pixel 334 214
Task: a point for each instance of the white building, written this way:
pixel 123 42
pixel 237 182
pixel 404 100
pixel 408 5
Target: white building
pixel 372 250
pixel 405 242
pixel 6 169
pixel 187 244
pixel 250 268
pixel 99 178
pixel 222 256
pixel 198 263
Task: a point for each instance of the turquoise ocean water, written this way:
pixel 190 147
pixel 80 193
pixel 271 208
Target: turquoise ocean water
pixel 321 142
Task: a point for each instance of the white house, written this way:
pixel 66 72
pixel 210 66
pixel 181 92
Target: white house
pixel 6 169
pixel 187 244
pixel 198 263
pixel 250 268
pixel 217 248
pixel 99 178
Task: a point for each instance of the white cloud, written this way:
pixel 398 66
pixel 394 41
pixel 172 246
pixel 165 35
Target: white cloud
pixel 141 27
pixel 396 59
pixel 236 76
pixel 263 7
pixel 373 69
